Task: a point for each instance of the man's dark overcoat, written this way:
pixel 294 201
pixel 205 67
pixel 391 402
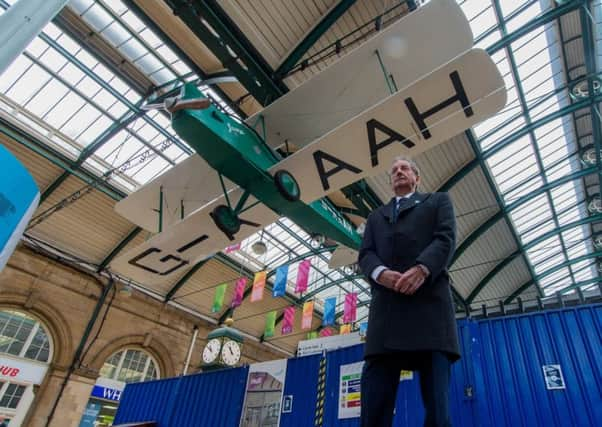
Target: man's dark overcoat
pixel 423 233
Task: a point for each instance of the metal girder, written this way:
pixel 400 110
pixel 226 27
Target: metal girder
pixel 215 29
pixel 581 221
pixel 551 233
pixel 313 36
pixel 523 131
pixel 182 55
pixel 589 50
pixel 107 86
pixel 543 19
pixel 557 267
pixel 529 245
pixel 579 285
pixel 479 155
pixel 533 139
pixel 57 158
pixel 495 270
pixel 590 66
pixel 176 287
pixel 127 239
pixel 469 167
pixel 102 139
pixel 73 25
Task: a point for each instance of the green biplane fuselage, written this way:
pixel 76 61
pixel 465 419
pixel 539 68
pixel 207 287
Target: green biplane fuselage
pixel 237 152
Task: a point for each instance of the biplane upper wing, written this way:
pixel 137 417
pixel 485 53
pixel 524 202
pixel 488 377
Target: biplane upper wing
pixel 173 195
pixel 400 54
pixel 166 256
pixel 449 100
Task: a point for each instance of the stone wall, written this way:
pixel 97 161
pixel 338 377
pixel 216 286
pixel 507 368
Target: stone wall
pixel 64 299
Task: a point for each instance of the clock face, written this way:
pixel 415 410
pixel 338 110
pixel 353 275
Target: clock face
pixel 231 353
pixel 211 350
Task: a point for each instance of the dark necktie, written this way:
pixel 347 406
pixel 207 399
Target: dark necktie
pixel 400 204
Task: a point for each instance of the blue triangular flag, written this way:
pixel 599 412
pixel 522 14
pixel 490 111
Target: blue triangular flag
pixel 329 309
pixel 280 283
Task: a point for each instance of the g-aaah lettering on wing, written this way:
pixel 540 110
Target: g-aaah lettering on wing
pixel 166 261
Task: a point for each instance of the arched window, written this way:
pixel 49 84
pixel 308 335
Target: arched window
pixel 23 336
pixel 130 366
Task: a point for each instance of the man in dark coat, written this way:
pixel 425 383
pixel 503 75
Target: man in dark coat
pixel 407 247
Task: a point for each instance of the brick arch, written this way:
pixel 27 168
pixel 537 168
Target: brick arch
pixel 155 348
pixel 53 321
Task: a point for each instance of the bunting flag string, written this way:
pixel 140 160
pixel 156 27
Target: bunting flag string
pixel 350 308
pixel 218 300
pixel 329 311
pixel 258 286
pixel 308 314
pixel 345 329
pixel 302 276
pixel 270 324
pixel 280 282
pixel 288 320
pixel 239 292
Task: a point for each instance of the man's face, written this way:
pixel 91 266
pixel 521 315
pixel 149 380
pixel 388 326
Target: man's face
pixel 403 178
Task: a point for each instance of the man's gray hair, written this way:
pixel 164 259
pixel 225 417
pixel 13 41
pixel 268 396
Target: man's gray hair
pixel 411 162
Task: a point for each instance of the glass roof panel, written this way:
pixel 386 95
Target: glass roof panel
pixel 81 106
pixel 526 13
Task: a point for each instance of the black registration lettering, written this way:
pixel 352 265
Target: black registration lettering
pixel 320 156
pixel 460 97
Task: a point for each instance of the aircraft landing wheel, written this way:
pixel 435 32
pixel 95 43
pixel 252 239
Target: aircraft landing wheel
pixel 226 220
pixel 287 185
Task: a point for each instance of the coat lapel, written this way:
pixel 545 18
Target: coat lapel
pixel 412 202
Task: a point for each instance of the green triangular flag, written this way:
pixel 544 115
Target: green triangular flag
pixel 218 300
pixel 312 334
pixel 270 324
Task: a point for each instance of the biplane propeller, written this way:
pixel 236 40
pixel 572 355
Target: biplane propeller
pixel 173 104
pixel 409 88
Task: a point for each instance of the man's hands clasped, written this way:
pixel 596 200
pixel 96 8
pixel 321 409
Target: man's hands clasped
pixel 406 283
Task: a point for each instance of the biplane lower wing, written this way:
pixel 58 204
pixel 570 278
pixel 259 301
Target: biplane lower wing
pixel 167 255
pixel 444 103
pixel 170 197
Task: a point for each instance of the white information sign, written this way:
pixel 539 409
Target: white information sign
pixel 553 377
pixel 317 345
pixel 349 390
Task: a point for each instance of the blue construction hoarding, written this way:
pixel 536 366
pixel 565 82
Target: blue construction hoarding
pixel 536 369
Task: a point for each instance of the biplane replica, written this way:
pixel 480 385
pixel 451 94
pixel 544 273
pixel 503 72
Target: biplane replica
pixel 410 87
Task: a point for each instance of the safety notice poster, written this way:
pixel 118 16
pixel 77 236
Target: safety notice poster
pixel 349 390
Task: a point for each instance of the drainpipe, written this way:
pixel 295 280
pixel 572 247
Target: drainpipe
pixel 192 342
pixel 80 347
